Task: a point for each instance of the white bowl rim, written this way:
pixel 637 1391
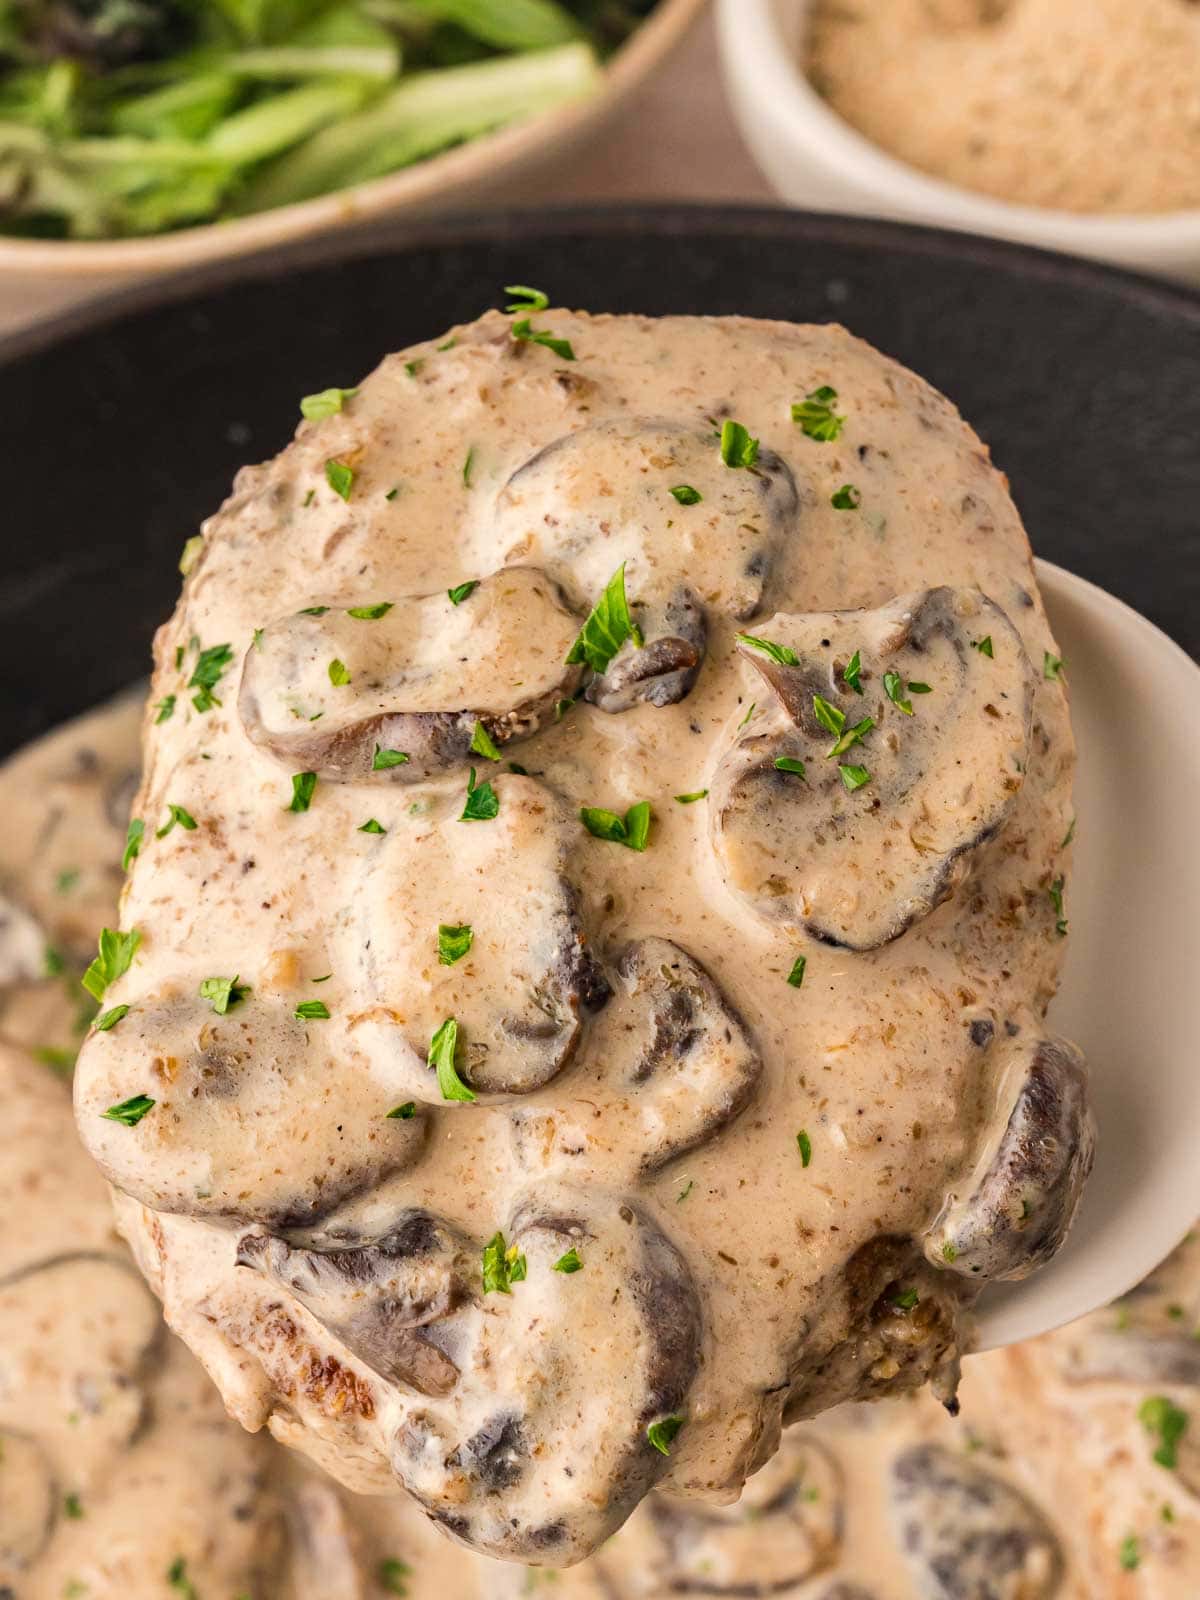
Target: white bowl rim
pixel 490 154
pixel 751 36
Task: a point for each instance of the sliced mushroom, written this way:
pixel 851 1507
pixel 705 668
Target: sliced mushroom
pixel 601 496
pixel 521 994
pixel 672 1065
pixel 380 1298
pixel 323 690
pixel 527 1460
pixel 786 1528
pixel 966 1534
pixel 29 1501
pixel 256 1115
pixel 1011 1212
pixel 857 866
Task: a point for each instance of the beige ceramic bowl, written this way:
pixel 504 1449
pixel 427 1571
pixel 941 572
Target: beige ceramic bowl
pixel 51 272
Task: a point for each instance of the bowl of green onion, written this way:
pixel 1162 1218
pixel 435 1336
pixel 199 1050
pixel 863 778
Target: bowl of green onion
pixel 142 135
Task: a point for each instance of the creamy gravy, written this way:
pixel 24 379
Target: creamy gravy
pixel 643 1070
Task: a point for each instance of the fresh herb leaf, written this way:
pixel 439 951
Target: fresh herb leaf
pixel 852 672
pixel 165 708
pixel 391 494
pixel 468 467
pixel 339 673
pixel 893 687
pixel 949 1253
pixel 309 497
pixel 66 880
pixel 312 611
pixel 738 449
pixel 413 367
pixel 1052 666
pixel 303 784
pixel 130 1112
pixel 854 777
pixel 72 1507
pixel 371 613
pixel 177 816
pixel 906 1300
pixel 1056 900
pixel 109 1019
pixel 686 495
pixel 690 799
pixel 482 745
pixel 919 688
pixel 829 716
pixel 1129 1553
pixel 460 591
pixel 1069 835
pixel 116 953
pixel 847 498
pixel 851 736
pixel 661 1434
pixel 502 1266
pixel 685 1191
pixel 384 760
pixel 134 835
pixel 984 646
pixel 796 976
pixel 61 1060
pixel 779 653
pixel 632 830
pixel 749 714
pixel 340 478
pixel 607 627
pixel 789 764
pixel 804 1145
pixel 178 1579
pixel 53 962
pixel 392 1573
pixel 325 404
pixel 482 803
pixel 1160 1415
pixel 525 298
pixel 637 825
pixel 222 993
pixel 442 1048
pixel 454 940
pixel 312 1011
pixel 191 553
pixel 210 666
pixel 525 333
pixel 816 416
pixel 569 1262
pixel 371 826
pixel 403 1113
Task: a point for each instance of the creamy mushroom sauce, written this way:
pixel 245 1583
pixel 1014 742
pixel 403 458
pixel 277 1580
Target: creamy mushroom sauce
pixel 747 1168
pixel 1050 1437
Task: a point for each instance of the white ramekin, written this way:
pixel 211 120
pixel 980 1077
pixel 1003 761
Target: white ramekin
pixel 816 159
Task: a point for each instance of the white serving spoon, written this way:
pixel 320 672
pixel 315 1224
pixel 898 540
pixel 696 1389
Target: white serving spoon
pixel 1130 995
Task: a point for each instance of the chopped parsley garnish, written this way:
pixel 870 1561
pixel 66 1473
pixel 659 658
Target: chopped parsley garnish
pixel 685 1191
pixel 391 494
pixel 413 367
pixel 117 951
pixel 460 591
pixel 177 815
pixel 906 1300
pixel 222 993
pixel 893 687
pixel 847 498
pixel 165 708
pixel 1069 835
pixel 816 416
pixel 525 333
pixel 569 1263
pixel 789 764
pixel 450 344
pixel 468 467
pixel 340 478
pixel 210 665
pixel 454 940
pixel 661 1434
pixel 339 673
pixel 796 976
pixel 482 744
pixel 309 497
pixel 1129 1553
pixel 851 736
pixel 854 777
pixel 1161 1416
pixel 607 627
pixel 109 1019
pixel 325 404
pixel 371 613
pixel 130 1112
pixel 1055 892
pixel 72 1507
pixel 442 1048
pixel 852 672
pixel 134 835
pixel 984 646
pixel 920 688
pixel 52 962
pixel 191 553
pixel 312 611
pixel 829 716
pixel 949 1253
pixel 632 830
pixel 403 1113
pixel 561 707
pixel 738 449
pixel 525 298
pixel 178 1579
pixel 66 880
pixel 749 714
pixel 303 784
pixel 804 1145
pixel 690 799
pixel 312 1011
pixel 61 1060
pixel 1052 666
pixel 686 495
pixel 384 760
pixel 392 1571
pixel 371 825
pixel 482 804
pixel 502 1266
pixel 779 653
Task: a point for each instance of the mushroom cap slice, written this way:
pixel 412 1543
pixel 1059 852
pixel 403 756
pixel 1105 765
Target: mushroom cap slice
pixel 521 994
pixel 415 680
pixel 601 497
pixel 785 1530
pixel 257 1114
pixel 966 1533
pixel 529 1459
pixel 29 1500
pixel 1011 1213
pixel 857 866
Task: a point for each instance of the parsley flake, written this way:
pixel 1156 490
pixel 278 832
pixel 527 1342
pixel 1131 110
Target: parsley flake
pixel 796 976
pixel 460 592
pixel 340 478
pixel 893 687
pixel 210 666
pixel 191 553
pixel 384 760
pixel 852 672
pixel 829 716
pixel 468 467
pixel 607 627
pixel 109 1019
pixel 303 784
pixel 847 498
pixel 371 613
pixel 178 1579
pixel 854 777
pixel 686 495
pixel 685 1191
pixel 851 736
pixel 690 799
pixel 483 745
pixel 738 449
pixel 392 1573
pixel 631 830
pixel 502 1266
pixel 72 1507
pixel 1052 666
pixel 312 1011
pixel 454 940
pixel 222 993
pixel 1055 892
pixel 339 673
pixel 781 654
pixel 371 825
pixel 661 1434
pixel 816 416
pixel 325 404
pixel 1129 1553
pixel 804 1145
pixel 115 956
pixel 177 816
pixel 1161 1416
pixel 525 298
pixel 906 1300
pixel 165 708
pixel 525 333
pixel 403 1113
pixel 984 646
pixel 134 835
pixel 568 1263
pixel 130 1112
pixel 482 803
pixel 789 764
pixel 442 1048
